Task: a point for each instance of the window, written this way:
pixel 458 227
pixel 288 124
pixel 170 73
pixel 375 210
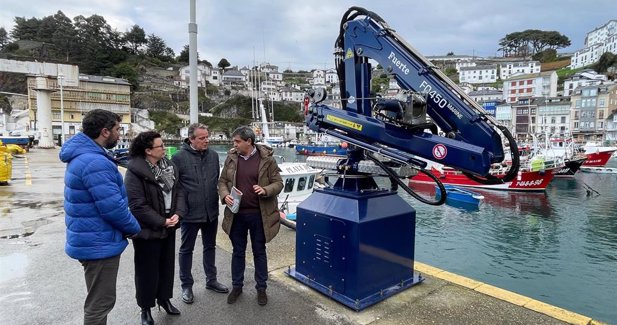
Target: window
pixel 301 183
pixel 289 185
pixel 563 119
pixel 520 83
pixel 310 182
pixel 513 83
pixel 601 114
pixel 553 120
pixel 529 82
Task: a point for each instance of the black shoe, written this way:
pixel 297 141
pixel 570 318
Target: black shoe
pixel 187 295
pixel 233 296
pixel 146 317
pixel 262 297
pixel 169 308
pixel 216 287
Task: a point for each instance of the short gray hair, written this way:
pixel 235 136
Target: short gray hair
pixel 194 127
pixel 245 133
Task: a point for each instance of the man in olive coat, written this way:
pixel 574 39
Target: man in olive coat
pixel 253 170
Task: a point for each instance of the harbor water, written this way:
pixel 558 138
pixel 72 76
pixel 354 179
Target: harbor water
pixel 558 246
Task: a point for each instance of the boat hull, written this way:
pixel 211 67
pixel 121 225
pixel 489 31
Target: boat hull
pixel 320 150
pixel 597 159
pixel 570 168
pixel 526 181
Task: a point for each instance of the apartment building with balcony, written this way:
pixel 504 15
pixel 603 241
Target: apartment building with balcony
pixel 92 92
pixel 591 108
pixel 597 42
pixel 543 84
pixel 586 77
pixel 507 69
pixel 479 74
pixel 553 115
pixel 524 117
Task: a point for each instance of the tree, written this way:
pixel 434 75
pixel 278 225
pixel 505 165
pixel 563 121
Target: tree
pixel 5 105
pixel 531 42
pixel 135 39
pixel 4 38
pixel 25 29
pixel 64 37
pixel 98 44
pixel 224 64
pixel 184 55
pixel 155 47
pixel 126 71
pixel 606 61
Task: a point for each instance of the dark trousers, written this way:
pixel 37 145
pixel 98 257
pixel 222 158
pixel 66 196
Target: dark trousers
pixel 101 278
pixel 243 225
pixel 185 256
pixel 154 269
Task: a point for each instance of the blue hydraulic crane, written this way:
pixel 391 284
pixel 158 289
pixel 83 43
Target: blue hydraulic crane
pixel 355 241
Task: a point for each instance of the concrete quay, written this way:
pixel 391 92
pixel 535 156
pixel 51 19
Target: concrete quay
pixel 40 284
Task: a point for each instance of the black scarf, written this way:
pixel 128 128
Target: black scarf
pixel 164 174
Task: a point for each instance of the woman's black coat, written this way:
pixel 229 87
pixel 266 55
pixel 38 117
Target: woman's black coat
pixel 146 200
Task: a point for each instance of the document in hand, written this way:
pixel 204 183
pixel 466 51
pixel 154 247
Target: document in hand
pixel 237 196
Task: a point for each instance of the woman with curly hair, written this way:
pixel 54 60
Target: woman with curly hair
pixel 157 202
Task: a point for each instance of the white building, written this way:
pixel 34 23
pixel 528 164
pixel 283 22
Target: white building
pixel 586 77
pixel 543 84
pixel 554 115
pixel 331 76
pixel 486 95
pixel 292 94
pixel 507 69
pixel 319 77
pixel 503 115
pixel 597 42
pixel 478 74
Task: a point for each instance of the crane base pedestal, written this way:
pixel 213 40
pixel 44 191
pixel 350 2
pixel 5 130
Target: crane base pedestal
pixel 356 247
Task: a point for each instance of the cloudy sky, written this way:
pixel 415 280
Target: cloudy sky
pixel 300 34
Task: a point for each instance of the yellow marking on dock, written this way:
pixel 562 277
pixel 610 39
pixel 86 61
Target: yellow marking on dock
pixel 505 295
pixel 27 174
pixel 508 296
pixel 460 280
pixel 558 313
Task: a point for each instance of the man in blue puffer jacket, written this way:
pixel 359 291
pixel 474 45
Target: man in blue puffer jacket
pixel 96 206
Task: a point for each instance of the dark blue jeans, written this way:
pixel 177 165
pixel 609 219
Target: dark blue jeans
pixel 243 225
pixel 185 256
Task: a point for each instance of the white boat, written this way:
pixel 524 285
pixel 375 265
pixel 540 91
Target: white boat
pixel 299 180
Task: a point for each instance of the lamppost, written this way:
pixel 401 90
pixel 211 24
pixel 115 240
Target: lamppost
pixel 61 79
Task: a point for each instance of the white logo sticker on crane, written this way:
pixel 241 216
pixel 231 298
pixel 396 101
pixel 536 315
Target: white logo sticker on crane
pixel 440 151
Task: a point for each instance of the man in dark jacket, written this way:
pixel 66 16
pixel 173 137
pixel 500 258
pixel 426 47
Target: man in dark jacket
pixel 199 172
pixel 96 206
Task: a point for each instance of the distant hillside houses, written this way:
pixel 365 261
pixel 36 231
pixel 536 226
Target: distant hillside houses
pixel 597 42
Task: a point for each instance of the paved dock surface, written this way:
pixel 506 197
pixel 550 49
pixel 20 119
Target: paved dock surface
pixel 40 284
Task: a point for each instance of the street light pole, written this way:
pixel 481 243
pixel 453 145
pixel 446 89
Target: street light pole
pixel 60 79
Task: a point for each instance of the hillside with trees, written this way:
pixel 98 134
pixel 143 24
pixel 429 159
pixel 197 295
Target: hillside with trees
pixel 98 49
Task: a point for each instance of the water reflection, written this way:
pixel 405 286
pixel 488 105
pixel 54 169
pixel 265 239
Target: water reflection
pixel 13 266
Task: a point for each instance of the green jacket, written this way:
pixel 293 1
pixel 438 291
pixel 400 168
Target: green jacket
pixel 269 178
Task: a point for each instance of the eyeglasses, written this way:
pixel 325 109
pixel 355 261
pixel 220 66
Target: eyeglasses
pixel 161 146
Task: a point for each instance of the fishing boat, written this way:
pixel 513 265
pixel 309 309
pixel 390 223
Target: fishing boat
pixel 528 179
pixel 322 147
pixel 597 156
pixel 458 197
pixel 299 180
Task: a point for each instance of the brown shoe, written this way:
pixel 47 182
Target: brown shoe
pixel 233 295
pixel 262 297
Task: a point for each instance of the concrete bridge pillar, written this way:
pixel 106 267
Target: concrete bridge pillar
pixel 43 113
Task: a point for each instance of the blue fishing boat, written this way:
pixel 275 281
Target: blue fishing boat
pixel 324 149
pixel 460 198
